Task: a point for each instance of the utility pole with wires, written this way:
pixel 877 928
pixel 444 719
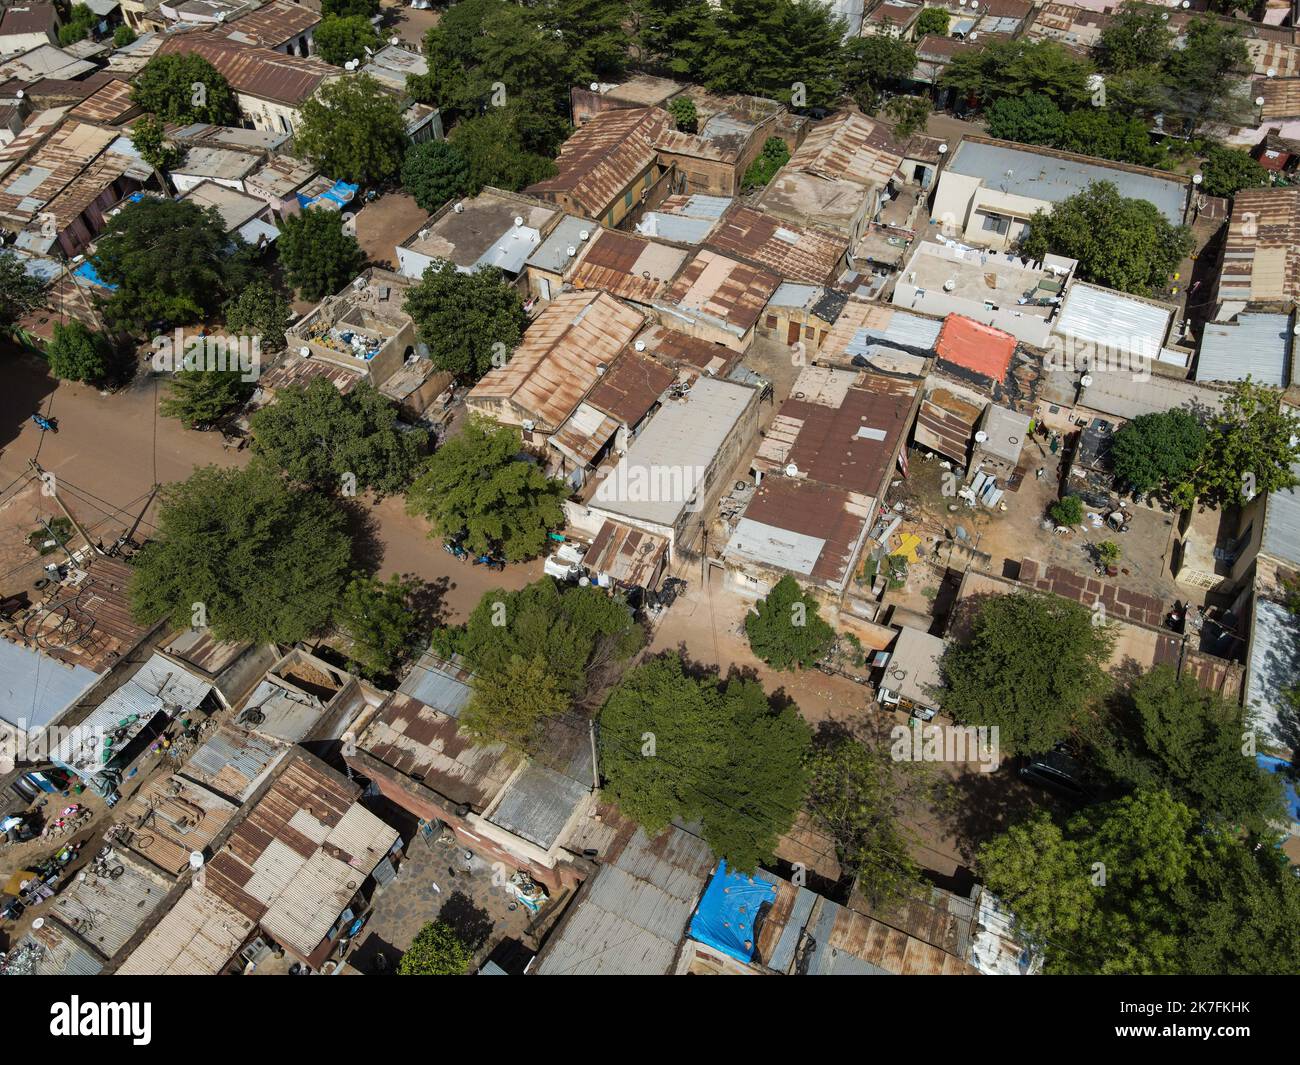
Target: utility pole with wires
pixel 49 484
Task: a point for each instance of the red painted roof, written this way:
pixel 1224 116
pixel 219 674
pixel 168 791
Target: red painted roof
pixel 976 347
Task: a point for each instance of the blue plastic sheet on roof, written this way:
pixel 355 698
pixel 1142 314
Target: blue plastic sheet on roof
pixel 727 912
pixel 1283 769
pixel 339 194
pixel 87 272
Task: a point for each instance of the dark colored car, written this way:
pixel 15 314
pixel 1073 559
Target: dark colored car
pixel 1058 772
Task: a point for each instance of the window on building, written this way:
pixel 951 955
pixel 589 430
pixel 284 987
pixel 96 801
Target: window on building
pixel 996 223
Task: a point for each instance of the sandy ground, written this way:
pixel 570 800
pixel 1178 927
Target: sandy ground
pixel 384 224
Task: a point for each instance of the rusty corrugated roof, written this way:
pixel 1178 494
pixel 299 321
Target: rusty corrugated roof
pixel 629 267
pixel 794 252
pixel 629 557
pixel 272 25
pixel 849 147
pixel 110 105
pixel 631 387
pixel 723 289
pixel 1261 257
pixel 977 347
pixel 254 71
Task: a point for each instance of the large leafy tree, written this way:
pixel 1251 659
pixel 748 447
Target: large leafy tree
pixel 1201 75
pixel 149 138
pixel 259 310
pixel 339 39
pixel 76 353
pixel 1030 119
pixel 353 129
pixel 366 9
pixel 673 36
pixel 437 950
pixel 674 746
pixel 1252 445
pixel 1171 733
pixel 1033 666
pixel 932 21
pixel 860 796
pixel 245 552
pixel 379 618
pixel 477 483
pixel 512 705
pixel 577 633
pixel 169 261
pixel 318 436
pixel 786 630
pixel 205 397
pixel 1139 886
pixel 1227 171
pixel 593 32
pixel 318 255
pixel 469 321
pixel 1136 36
pixel 185 88
pixel 494 146
pixel 20 292
pixel 434 173
pixel 1120 243
pixel 871 63
pixel 1017 67
pixel 1158 451
pixel 1111 135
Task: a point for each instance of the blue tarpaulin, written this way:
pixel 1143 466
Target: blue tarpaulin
pixel 339 195
pixel 727 912
pixel 1283 769
pixel 87 272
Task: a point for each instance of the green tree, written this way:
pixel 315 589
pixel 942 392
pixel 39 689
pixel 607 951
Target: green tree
pixel 76 353
pixel 910 114
pixel 685 117
pixel 673 746
pixel 1067 510
pixel 169 260
pixel 593 33
pixel 205 397
pixel 318 436
pixel 379 618
pixel 20 292
pixel 1251 447
pixel 366 9
pixel 786 630
pixel 1136 36
pixel 860 797
pixel 579 633
pixel 871 63
pixel 1227 171
pixel 476 483
pixel 1030 119
pixel 1158 451
pixel 248 554
pixel 469 321
pixel 353 129
pixel 437 949
pixel 1120 243
pixel 933 21
pixel 185 88
pixel 1033 665
pixel 79 24
pixel 512 705
pixel 1171 733
pixel 319 258
pixel 260 311
pixel 1018 67
pixel 123 35
pixel 494 147
pixel 1201 76
pixel 673 36
pixel 775 154
pixel 435 172
pixel 342 38
pixel 149 139
pixel 1111 135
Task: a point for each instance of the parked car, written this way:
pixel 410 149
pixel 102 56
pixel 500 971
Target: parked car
pixel 1057 771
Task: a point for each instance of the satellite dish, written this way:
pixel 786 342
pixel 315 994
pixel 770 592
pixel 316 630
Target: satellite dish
pixel 1270 73
pixel 1259 101
pixel 18 95
pixel 38 924
pixel 196 860
pixel 585 235
pixel 595 86
pixel 570 250
pixel 981 436
pixel 518 221
pixel 394 41
pixel 640 344
pixel 792 470
pixel 943 149
pixel 1197 179
pixel 305 352
pixel 1086 380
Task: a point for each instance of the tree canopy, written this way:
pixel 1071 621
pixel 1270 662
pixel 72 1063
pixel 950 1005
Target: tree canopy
pixel 437 950
pixel 1252 444
pixel 379 618
pixel 185 88
pixel 204 397
pixel 148 137
pixel 1158 451
pixel 353 129
pixel 1136 36
pixel 674 746
pixel 512 705
pixel 1120 243
pixel 244 552
pixel 20 292
pixel 1032 665
pixel 169 261
pixel 76 353
pixel 435 172
pixel 478 484
pixel 258 310
pixel 495 147
pixel 786 629
pixel 470 322
pixel 933 21
pixel 1227 171
pixel 318 256
pixel 340 38
pixel 1017 68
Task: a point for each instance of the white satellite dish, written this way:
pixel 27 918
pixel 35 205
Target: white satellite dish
pixel 595 86
pixel 570 250
pixel 196 860
pixel 1270 73
pixel 981 436
pixel 584 235
pixel 792 470
pixel 1259 101
pixel 38 924
pixel 640 344
pixel 305 352
pixel 518 221
pixel 394 41
pixel 1086 380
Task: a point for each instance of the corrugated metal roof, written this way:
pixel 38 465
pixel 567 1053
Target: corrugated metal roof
pixel 1254 345
pixel 168 819
pixel 271 25
pixel 1113 321
pixel 538 803
pixel 57 952
pixel 629 267
pixel 1273 669
pixel 254 71
pixel 975 346
pixel 724 291
pixel 1116 395
pixel 1281 536
pixel 849 147
pixel 795 253
pixel 626 556
pixel 232 761
pixel 106 912
pixel 197 937
pixel 438 683
pixel 553 255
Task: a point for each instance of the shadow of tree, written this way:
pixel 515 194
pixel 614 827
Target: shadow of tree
pixel 472 923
